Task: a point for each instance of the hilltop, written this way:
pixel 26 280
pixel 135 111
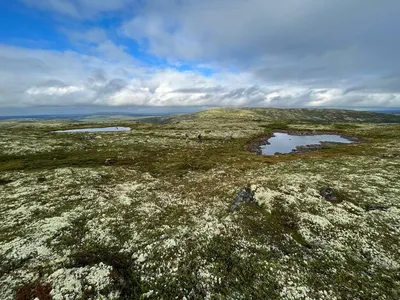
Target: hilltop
pixel 283 115
pixel 298 115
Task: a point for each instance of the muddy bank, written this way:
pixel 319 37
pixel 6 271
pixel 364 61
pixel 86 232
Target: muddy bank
pixel 255 146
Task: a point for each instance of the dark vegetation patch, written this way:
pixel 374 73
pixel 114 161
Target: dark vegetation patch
pixel 56 159
pixel 186 281
pixel 389 155
pixel 7 266
pixel 169 160
pixel 41 179
pixel 266 226
pixel 125 273
pixel 372 206
pixel 275 126
pixel 34 290
pixel 235 271
pixel 352 278
pixel 345 126
pixel 4 181
pixel 72 236
pixel 222 257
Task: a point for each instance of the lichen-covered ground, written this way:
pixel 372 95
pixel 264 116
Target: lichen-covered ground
pixel 157 222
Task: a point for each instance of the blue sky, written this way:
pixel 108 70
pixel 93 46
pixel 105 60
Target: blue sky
pixel 66 54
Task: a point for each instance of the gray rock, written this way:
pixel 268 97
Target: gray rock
pixel 328 194
pixel 245 195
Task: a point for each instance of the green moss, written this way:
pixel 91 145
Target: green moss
pixel 276 126
pixel 345 126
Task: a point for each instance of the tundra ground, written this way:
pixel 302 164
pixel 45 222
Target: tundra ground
pixel 156 222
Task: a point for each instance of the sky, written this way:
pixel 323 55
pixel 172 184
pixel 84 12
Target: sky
pixel 71 56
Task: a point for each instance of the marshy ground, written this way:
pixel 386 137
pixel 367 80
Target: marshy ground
pixel 146 214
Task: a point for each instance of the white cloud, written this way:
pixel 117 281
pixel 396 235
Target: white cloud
pixel 292 53
pixel 307 42
pixel 31 77
pixel 79 8
pixel 54 91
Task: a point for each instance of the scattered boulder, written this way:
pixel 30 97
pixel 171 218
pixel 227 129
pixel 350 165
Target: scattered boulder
pixel 328 193
pixel 110 161
pixel 245 195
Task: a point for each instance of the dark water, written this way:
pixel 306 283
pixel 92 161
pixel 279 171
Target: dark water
pixel 285 143
pixel 104 129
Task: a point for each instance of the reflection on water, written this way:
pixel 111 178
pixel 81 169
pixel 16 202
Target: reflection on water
pixel 285 143
pixel 104 129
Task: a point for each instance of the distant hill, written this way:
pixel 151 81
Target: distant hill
pixel 81 117
pixel 388 111
pixel 317 115
pixel 286 115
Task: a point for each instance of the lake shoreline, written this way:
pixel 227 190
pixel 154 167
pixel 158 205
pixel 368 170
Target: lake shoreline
pixel 255 146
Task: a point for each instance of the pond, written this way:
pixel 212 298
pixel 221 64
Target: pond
pixel 104 129
pixel 286 143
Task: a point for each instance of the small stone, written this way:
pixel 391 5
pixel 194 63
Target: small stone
pixel 164 236
pixel 110 161
pixel 328 194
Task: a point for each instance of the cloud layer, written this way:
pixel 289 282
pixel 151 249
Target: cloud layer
pixel 261 53
pixel 78 8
